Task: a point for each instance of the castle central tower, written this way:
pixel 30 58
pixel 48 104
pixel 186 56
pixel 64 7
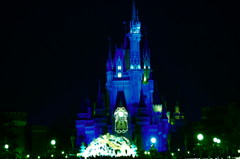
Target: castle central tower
pixel 131 110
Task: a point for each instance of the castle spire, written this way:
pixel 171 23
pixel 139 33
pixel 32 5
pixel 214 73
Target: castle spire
pixel 134 12
pixel 99 98
pixel 109 61
pixel 146 59
pixel 135 37
pixel 164 112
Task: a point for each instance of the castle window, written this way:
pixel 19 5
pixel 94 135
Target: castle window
pixel 119 67
pixel 119 75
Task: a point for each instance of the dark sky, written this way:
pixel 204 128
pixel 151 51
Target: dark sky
pixel 53 52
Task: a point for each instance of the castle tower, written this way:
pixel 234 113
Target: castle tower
pixel 131 109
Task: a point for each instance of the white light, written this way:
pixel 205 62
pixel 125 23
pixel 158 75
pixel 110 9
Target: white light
pixel 6 146
pixel 200 137
pixel 153 140
pixel 178 149
pixel 172 154
pixel 119 67
pixel 28 156
pixel 188 152
pixel 119 74
pixel 39 157
pixel 215 139
pixel 52 155
pixel 53 142
pixel 238 151
pixel 148 153
pixel 121 114
pixel 62 152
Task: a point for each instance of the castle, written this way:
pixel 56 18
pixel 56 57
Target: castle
pixel 133 108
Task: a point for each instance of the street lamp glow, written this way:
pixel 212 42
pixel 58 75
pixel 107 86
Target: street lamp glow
pixel 200 137
pixel 52 155
pixel 216 140
pixel 53 142
pixel 153 140
pixel 28 156
pixel 62 152
pixel 6 146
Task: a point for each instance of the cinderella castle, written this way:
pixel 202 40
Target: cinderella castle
pixel 132 107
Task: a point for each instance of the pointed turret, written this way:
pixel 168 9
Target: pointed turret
pixel 135 37
pixel 146 60
pixel 164 111
pixel 177 113
pixel 100 102
pixel 109 61
pixel 100 106
pixel 134 12
pixel 146 53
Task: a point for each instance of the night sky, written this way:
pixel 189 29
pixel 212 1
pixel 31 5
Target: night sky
pixel 54 52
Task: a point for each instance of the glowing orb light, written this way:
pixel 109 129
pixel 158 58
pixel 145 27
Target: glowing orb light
pixel 53 142
pixel 153 140
pixel 200 137
pixel 6 146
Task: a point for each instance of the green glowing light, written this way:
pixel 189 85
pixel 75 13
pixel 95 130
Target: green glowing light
pixel 53 142
pixel 200 137
pixel 6 146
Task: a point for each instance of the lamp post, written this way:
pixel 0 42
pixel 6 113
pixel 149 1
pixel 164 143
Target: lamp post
pixel 200 137
pixel 6 147
pixel 153 141
pixel 216 142
pixel 53 147
pixel 153 150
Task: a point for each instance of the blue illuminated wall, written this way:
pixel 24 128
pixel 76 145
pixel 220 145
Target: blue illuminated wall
pixel 128 74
